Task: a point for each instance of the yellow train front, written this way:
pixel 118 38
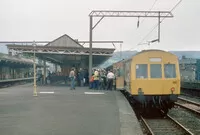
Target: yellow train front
pixel 151 77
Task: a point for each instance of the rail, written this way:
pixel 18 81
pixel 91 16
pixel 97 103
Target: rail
pixel 190 91
pixel 189 101
pixel 164 125
pixel 188 108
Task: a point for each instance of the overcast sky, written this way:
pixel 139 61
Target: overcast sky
pixel 49 19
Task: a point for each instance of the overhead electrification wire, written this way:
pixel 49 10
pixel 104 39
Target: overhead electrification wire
pixel 144 18
pixel 150 10
pixel 160 22
pixel 140 43
pixel 172 9
pixel 153 5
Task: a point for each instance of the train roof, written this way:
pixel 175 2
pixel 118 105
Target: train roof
pixel 150 50
pixel 113 64
pixel 143 51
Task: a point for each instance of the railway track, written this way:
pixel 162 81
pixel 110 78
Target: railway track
pixel 167 126
pixel 190 96
pixel 187 112
pixel 189 105
pixel 189 101
pixel 191 91
pixel 179 121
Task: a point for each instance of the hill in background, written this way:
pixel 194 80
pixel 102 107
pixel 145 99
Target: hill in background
pixel 127 54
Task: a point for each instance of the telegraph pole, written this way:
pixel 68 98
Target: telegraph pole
pixel 90 53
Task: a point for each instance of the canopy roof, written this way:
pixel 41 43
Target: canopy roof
pixel 64 50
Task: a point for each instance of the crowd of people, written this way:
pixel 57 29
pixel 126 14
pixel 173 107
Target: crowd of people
pixel 100 79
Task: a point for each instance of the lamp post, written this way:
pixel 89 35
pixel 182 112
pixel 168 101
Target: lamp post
pixel 34 68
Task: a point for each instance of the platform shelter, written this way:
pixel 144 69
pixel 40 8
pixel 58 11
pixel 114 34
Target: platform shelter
pixel 15 69
pixel 65 52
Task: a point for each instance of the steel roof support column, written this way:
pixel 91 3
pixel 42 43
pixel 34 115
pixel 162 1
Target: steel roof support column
pixel 35 70
pixel 90 53
pixel 45 71
pixel 56 68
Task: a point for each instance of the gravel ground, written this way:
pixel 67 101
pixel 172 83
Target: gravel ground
pixel 187 119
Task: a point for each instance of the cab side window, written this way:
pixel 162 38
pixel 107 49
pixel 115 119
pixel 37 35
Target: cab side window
pixel 141 71
pixel 170 71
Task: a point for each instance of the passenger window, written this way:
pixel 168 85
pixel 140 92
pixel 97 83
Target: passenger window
pixel 119 72
pixel 170 71
pixel 156 71
pixel 141 71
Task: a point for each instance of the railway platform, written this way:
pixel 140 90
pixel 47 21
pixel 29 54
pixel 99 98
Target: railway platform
pixel 60 111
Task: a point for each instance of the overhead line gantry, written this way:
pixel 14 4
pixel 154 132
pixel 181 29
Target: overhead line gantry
pixel 109 13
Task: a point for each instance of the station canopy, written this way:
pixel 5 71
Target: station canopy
pixel 11 61
pixel 64 51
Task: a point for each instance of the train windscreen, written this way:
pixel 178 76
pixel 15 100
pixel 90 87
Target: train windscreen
pixel 170 70
pixel 156 71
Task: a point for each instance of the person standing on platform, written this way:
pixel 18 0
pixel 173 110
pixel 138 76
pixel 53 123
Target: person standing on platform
pixel 96 80
pixel 81 77
pixel 110 77
pixel 91 81
pixel 102 80
pixel 114 82
pixel 72 79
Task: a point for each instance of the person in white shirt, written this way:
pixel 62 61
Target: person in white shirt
pixel 110 77
pixel 72 78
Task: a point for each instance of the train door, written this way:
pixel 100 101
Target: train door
pixel 127 75
pixel 119 73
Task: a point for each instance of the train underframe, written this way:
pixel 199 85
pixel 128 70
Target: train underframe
pixel 147 104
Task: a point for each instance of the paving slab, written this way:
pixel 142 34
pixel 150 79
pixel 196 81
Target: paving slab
pixel 60 111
